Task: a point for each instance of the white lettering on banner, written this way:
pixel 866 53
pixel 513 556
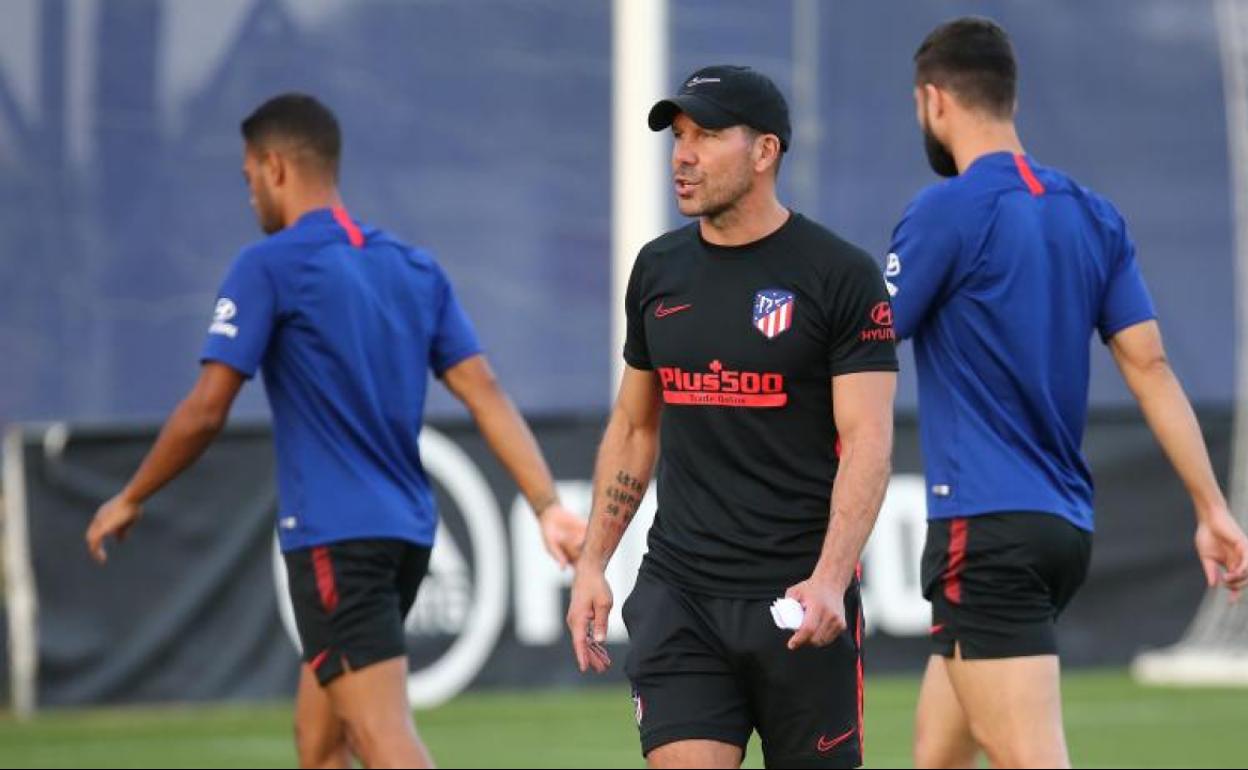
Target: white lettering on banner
pixel 539 583
pixel 444 601
pixel 892 595
pixel 540 587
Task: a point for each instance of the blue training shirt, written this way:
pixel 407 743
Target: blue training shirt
pixel 1001 275
pixel 346 323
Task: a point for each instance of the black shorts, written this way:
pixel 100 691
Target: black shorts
pixel 711 668
pixel 998 582
pixel 351 599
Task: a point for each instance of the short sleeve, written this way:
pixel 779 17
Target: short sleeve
pixel 244 317
pixel 1126 301
pixel 454 338
pixel 636 349
pixel 860 319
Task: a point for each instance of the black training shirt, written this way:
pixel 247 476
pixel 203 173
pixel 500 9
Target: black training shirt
pixel 745 341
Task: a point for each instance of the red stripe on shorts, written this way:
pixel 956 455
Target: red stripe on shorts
pixel 957 559
pixel 325 578
pixel 862 684
pixel 320 659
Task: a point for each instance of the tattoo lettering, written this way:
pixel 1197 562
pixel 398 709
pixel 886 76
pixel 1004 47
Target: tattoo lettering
pixel 630 482
pixel 624 496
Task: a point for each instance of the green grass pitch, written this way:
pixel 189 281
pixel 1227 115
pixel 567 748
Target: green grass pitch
pixel 1110 722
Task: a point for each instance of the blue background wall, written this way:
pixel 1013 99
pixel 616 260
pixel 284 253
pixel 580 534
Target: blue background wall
pixel 480 129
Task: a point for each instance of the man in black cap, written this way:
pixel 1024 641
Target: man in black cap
pixel 760 349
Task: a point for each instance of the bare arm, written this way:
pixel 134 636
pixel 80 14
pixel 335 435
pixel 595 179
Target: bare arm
pixel 863 409
pixel 186 434
pixel 621 476
pixel 625 464
pixel 1141 357
pixel 505 430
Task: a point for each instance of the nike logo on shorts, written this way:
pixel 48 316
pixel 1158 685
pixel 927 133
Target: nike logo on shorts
pixel 824 745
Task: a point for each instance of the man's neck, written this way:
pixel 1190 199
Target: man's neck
pixel 313 200
pixel 983 137
pixel 753 218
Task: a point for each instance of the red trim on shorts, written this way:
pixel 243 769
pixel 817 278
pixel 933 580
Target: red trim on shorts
pixel 957 559
pixel 862 688
pixel 325 578
pixel 1024 170
pixel 320 659
pixel 344 221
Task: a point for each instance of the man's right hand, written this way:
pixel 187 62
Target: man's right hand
pixel 587 618
pixel 1221 544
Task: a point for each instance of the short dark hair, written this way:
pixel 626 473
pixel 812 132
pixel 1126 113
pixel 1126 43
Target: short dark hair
pixel 299 119
pixel 973 58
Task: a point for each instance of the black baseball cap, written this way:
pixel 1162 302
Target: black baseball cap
pixel 727 95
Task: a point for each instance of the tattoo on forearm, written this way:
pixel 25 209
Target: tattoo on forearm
pixel 624 495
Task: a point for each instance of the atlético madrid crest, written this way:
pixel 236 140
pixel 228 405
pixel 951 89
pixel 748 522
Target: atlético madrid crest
pixel 773 312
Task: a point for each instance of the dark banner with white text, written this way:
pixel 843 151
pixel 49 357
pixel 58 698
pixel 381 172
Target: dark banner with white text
pixel 192 606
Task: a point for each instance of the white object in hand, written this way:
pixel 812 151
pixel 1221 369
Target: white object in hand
pixel 787 613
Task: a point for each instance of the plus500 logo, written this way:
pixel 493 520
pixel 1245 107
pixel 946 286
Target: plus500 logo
pixel 722 387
